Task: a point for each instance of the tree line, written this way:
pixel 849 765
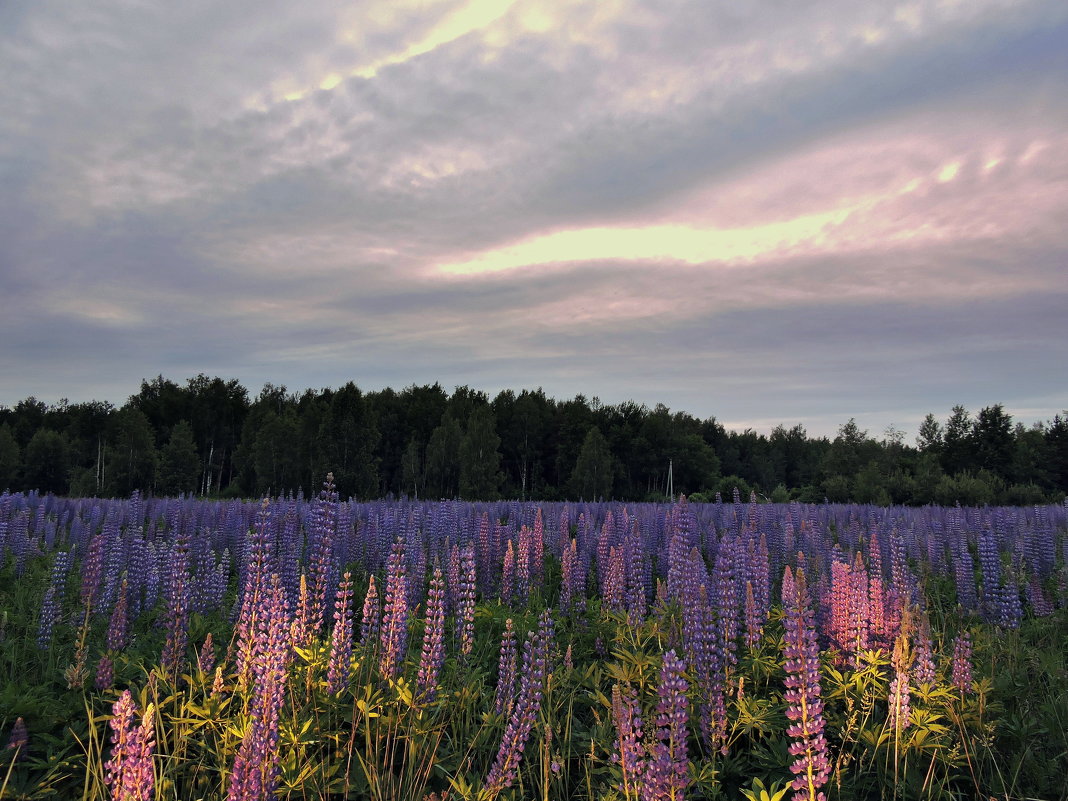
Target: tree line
pixel 210 437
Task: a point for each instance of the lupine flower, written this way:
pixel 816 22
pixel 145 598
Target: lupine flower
pixel 19 738
pixel 129 772
pixel 321 558
pixel 256 769
pixel 506 672
pixel 206 659
pixel 395 615
pixel 433 653
pixel 962 662
pixel 568 569
pixel 923 666
pixel 508 575
pixel 51 606
pixel 630 756
pixel 666 772
pixel 465 612
pixel 176 616
pixel 340 664
pixel 371 622
pixel 898 701
pixel 803 695
pixel 524 713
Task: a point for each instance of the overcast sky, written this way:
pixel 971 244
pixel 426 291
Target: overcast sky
pixel 765 212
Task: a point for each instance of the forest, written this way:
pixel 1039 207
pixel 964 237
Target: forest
pixel 210 437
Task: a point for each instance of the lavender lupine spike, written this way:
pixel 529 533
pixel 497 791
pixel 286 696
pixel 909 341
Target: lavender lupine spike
pixel 115 641
pixel 433 653
pixel 395 614
pixel 465 612
pixel 962 662
pixel 52 605
pixel 129 772
pixel 18 739
pixel 371 622
pixel 257 561
pixel 504 696
pixel 340 664
pixel 923 666
pixel 256 766
pixel 630 756
pixel 321 559
pixel 176 616
pixel 206 658
pixel 508 575
pixel 666 772
pixel 803 695
pixel 898 699
pixel 524 713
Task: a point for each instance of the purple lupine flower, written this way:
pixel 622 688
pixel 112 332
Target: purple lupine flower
pixel 256 766
pixel 923 666
pixel 665 773
pixel 371 622
pixel 528 701
pixel 537 548
pixel 52 605
pixel 803 695
pixel 321 535
pixel 754 623
pixel 340 664
pixel 508 575
pixel 962 662
pixel 568 569
pixel 504 696
pixel 93 569
pixel 18 740
pixel 176 616
pixel 522 566
pixel 395 614
pixel 465 606
pixel 129 772
pixel 257 564
pixel 206 658
pixel 613 587
pixel 433 653
pixel 630 756
pixel 105 673
pixel 898 716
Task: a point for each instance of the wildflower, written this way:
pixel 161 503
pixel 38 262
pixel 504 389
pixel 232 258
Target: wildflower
pixel 525 712
pixel 337 673
pixel 395 616
pixel 665 773
pixel 129 772
pixel 962 662
pixel 433 653
pixel 506 672
pixel 626 715
pixel 372 614
pixel 19 738
pixel 803 695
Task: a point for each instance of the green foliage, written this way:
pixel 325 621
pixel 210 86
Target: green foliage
pixel 594 470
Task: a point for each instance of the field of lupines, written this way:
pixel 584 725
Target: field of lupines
pixel 191 649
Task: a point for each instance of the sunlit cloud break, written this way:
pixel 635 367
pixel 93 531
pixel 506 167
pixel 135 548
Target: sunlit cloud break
pixel 679 243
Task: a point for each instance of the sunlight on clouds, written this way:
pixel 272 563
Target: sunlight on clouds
pixel 652 243
pixel 474 16
pixel 948 172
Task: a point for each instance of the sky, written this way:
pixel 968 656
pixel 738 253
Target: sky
pixel 765 212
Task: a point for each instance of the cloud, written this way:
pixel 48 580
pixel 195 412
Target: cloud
pixel 756 211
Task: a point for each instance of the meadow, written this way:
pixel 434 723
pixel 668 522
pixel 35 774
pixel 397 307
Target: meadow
pixel 179 648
